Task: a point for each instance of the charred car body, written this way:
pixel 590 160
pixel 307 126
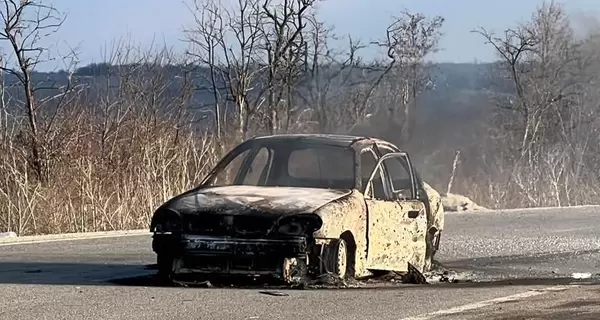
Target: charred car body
pixel 297 206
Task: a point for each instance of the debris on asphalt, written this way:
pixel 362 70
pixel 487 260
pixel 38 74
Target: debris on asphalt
pixel 329 279
pixel 274 293
pixel 440 274
pixel 457 202
pixel 196 284
pixel 180 283
pixel 414 276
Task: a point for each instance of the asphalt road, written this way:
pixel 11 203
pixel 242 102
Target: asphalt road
pixel 509 265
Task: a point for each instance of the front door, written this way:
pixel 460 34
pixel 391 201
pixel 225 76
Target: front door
pixel 396 219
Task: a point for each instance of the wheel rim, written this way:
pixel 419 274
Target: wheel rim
pixel 341 259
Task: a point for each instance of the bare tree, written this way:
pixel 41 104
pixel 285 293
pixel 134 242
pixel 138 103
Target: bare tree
pixel 538 58
pixel 332 79
pixel 24 25
pixel 206 35
pixel 226 42
pixel 410 39
pixel 283 42
pixel 541 111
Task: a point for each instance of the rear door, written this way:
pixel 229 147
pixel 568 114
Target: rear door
pixel 396 218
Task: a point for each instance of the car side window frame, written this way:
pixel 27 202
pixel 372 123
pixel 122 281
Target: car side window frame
pixel 368 189
pixel 383 149
pixel 417 178
pixel 401 155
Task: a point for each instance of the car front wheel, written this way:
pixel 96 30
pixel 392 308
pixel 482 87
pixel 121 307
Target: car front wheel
pixel 165 267
pixel 336 258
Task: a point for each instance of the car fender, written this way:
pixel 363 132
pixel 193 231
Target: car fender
pixel 347 214
pixel 436 207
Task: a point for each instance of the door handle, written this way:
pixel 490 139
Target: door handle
pixel 413 213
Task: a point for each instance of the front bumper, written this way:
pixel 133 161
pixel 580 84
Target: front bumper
pixel 233 256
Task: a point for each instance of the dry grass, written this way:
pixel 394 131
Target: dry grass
pixel 117 184
pixel 99 191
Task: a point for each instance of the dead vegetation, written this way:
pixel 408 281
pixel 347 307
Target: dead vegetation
pixel 99 152
pixel 457 202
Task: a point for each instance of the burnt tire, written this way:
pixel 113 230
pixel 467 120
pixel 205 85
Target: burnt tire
pixel 430 250
pixel 351 250
pixel 336 258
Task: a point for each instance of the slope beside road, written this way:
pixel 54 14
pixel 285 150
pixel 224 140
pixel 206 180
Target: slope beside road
pixel 517 259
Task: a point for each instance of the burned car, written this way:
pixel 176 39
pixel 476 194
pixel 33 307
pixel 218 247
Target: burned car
pixel 300 206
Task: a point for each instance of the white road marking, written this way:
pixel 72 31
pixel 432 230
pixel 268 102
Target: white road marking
pixel 483 304
pixel 71 237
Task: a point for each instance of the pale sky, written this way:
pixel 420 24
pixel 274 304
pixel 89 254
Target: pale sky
pixel 92 25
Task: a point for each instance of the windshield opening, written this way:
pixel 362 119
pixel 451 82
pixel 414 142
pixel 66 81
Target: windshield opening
pixel 289 165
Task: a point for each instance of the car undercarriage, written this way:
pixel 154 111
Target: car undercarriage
pixel 291 260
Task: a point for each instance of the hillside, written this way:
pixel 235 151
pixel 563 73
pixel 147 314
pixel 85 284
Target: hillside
pixel 455 86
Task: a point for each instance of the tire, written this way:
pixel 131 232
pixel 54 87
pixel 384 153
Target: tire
pixel 336 258
pixel 165 267
pixel 351 249
pixel 430 250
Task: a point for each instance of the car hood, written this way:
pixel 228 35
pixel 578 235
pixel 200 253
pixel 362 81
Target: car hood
pixel 240 199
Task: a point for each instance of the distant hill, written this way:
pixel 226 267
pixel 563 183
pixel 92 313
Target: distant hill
pixel 456 93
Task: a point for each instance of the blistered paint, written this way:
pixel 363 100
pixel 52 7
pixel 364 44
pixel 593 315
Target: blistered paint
pixel 395 238
pixel 347 214
pixel 386 237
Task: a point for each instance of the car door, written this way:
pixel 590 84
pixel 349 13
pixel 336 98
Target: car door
pixel 430 204
pixel 396 219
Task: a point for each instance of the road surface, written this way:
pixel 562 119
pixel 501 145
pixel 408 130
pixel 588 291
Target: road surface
pixel 510 265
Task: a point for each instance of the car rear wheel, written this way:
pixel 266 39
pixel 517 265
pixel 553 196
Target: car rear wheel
pixel 336 258
pixel 431 249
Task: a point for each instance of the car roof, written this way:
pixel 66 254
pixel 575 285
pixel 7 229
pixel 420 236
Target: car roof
pixel 348 141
